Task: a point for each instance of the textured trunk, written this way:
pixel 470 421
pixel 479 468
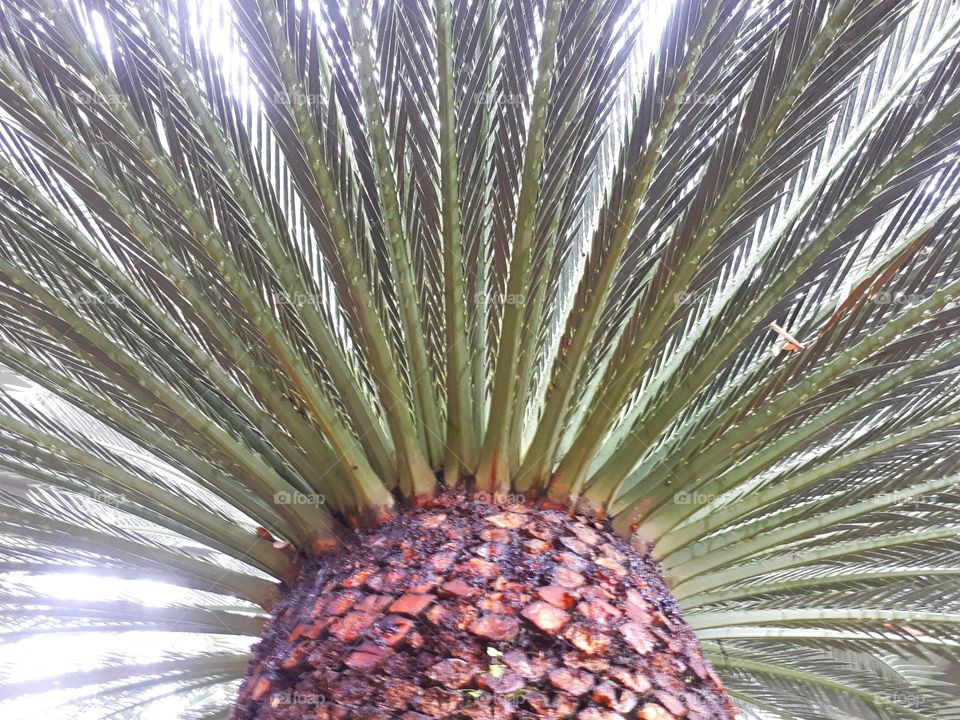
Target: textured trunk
pixel 467 609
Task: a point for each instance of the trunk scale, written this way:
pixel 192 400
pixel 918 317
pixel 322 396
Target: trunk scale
pixel 472 609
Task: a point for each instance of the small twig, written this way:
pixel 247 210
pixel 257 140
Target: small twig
pixel 791 344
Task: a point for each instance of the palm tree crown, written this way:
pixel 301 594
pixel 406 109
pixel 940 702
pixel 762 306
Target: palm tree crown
pixel 276 269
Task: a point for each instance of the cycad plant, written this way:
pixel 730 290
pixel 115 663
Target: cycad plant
pixel 486 358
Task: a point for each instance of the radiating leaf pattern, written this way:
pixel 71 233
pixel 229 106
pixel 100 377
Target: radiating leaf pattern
pixel 268 265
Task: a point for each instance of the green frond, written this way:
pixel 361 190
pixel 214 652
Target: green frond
pixel 273 271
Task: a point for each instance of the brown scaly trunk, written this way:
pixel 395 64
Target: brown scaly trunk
pixel 466 609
